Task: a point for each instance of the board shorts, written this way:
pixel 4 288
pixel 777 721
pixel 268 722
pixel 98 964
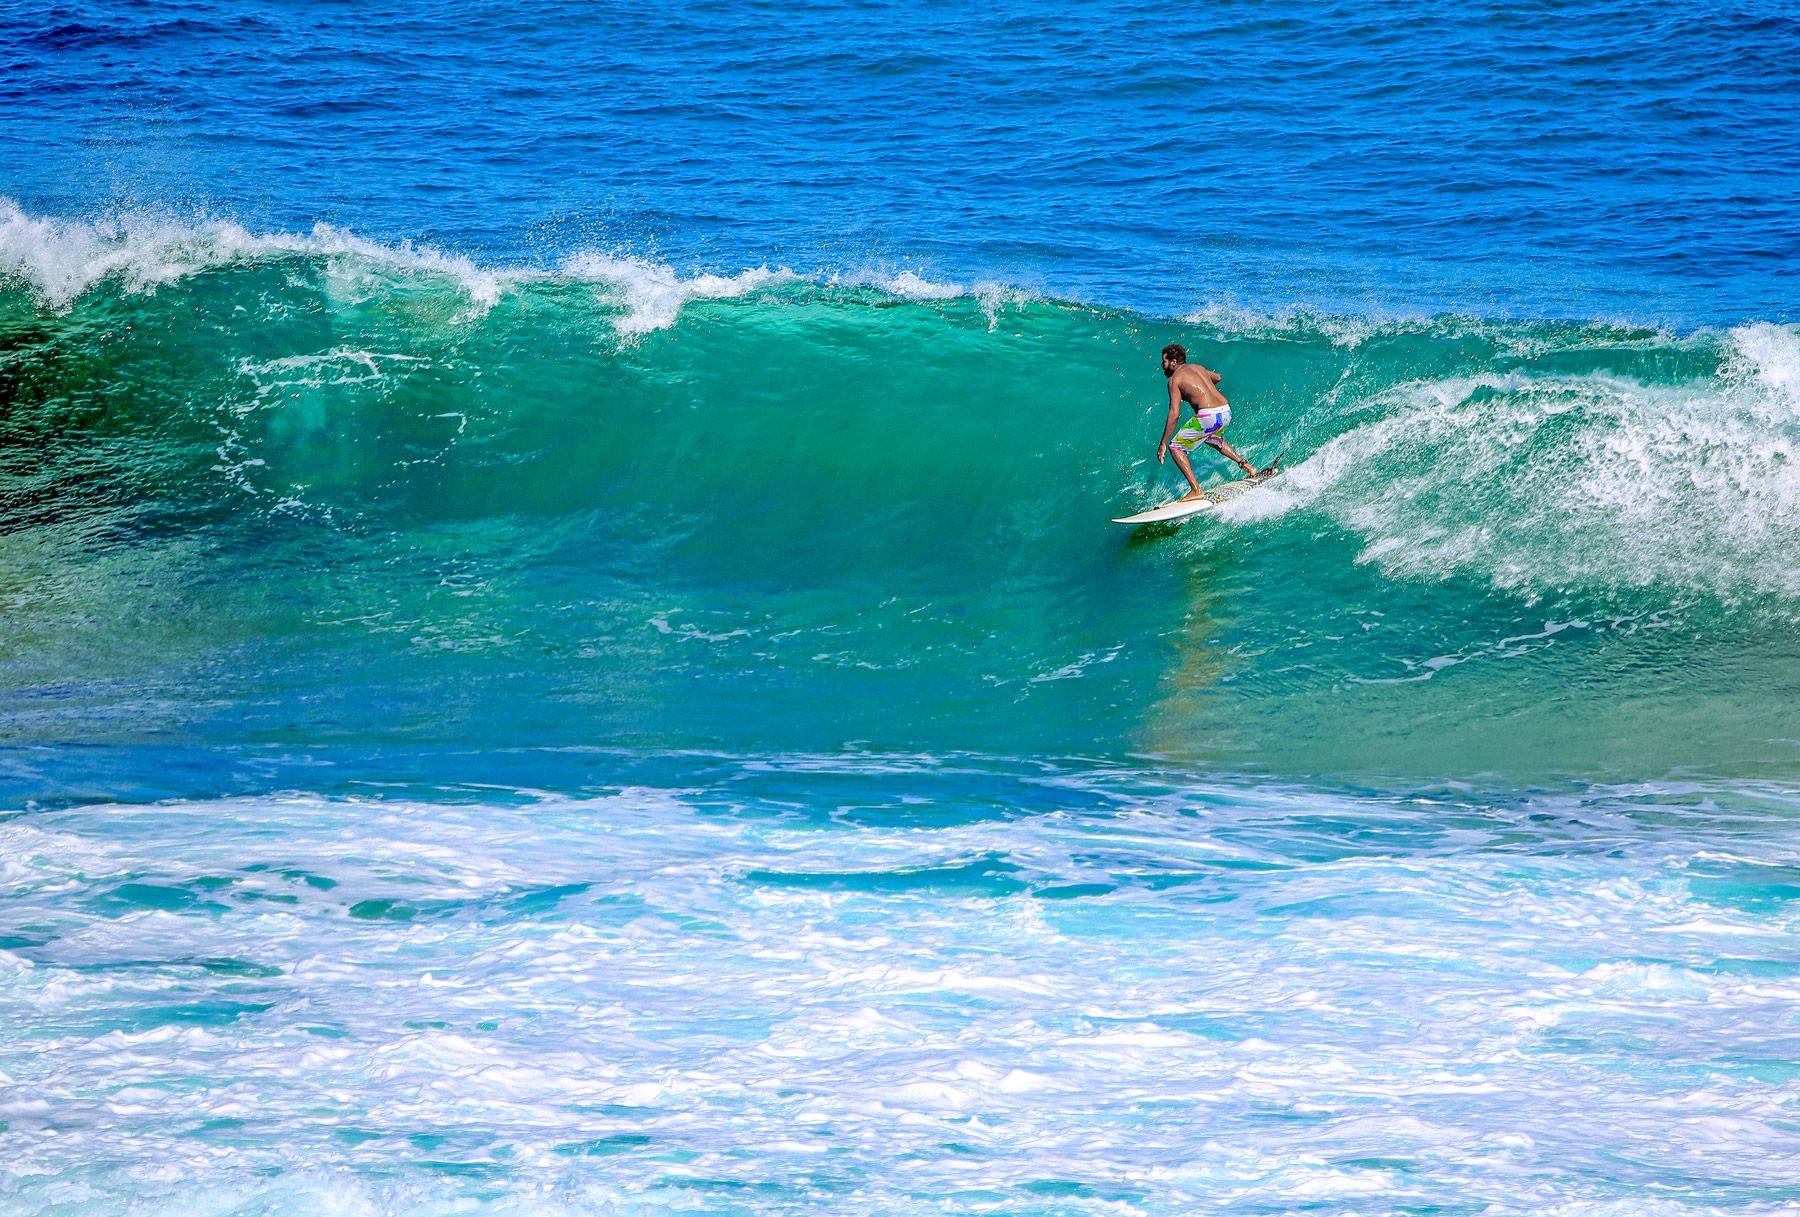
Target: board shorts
pixel 1210 421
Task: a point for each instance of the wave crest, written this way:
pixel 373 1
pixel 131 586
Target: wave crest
pixel 1547 481
pixel 60 260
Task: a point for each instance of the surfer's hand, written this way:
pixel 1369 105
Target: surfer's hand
pixel 1162 453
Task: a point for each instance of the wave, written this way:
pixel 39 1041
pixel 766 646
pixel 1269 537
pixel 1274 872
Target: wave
pixel 1533 457
pixel 318 486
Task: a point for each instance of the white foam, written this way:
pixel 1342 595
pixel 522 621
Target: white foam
pixel 506 985
pixel 1348 331
pixel 61 259
pixel 911 286
pixel 1544 481
pixel 1770 355
pixel 907 284
pixel 653 293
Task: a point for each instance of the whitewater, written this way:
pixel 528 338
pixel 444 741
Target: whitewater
pixel 962 988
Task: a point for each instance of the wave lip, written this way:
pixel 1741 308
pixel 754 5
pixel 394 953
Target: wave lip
pixel 653 293
pixel 61 259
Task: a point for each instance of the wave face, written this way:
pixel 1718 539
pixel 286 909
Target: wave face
pixel 265 488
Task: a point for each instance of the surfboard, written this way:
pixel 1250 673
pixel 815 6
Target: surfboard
pixel 1168 511
pixel 1222 493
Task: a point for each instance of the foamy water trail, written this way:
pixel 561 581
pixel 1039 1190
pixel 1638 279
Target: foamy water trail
pixel 1541 482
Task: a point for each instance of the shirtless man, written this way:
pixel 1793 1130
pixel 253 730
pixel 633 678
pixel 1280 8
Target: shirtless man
pixel 1199 387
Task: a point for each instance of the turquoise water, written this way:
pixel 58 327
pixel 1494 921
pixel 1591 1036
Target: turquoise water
pixel 564 650
pixel 374 502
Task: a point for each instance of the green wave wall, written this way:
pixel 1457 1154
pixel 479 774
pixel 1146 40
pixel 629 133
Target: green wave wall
pixel 330 495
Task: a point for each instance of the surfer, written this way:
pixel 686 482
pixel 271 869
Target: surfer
pixel 1199 387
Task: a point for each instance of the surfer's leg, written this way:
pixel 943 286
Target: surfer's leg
pixel 1187 471
pixel 1217 442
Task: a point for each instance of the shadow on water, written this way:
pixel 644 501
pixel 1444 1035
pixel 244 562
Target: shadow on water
pixel 1205 585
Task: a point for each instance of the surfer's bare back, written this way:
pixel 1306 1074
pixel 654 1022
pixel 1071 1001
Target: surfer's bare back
pixel 1199 387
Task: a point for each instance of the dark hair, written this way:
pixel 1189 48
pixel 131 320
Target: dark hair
pixel 1177 350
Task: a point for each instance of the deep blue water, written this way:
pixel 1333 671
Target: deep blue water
pixel 1590 159
pixel 562 648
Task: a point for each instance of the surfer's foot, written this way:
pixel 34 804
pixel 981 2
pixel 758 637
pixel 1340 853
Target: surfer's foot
pixel 1191 495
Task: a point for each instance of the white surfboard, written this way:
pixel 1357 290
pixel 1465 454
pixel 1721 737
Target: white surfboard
pixel 1222 493
pixel 1168 511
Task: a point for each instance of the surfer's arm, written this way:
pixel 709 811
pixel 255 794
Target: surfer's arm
pixel 1162 449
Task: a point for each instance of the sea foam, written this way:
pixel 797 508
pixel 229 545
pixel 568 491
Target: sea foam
pixel 1538 481
pixel 61 259
pixel 1191 998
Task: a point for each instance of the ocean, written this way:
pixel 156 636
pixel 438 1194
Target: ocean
pixel 564 649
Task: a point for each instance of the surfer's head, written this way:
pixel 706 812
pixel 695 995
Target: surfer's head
pixel 1174 355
